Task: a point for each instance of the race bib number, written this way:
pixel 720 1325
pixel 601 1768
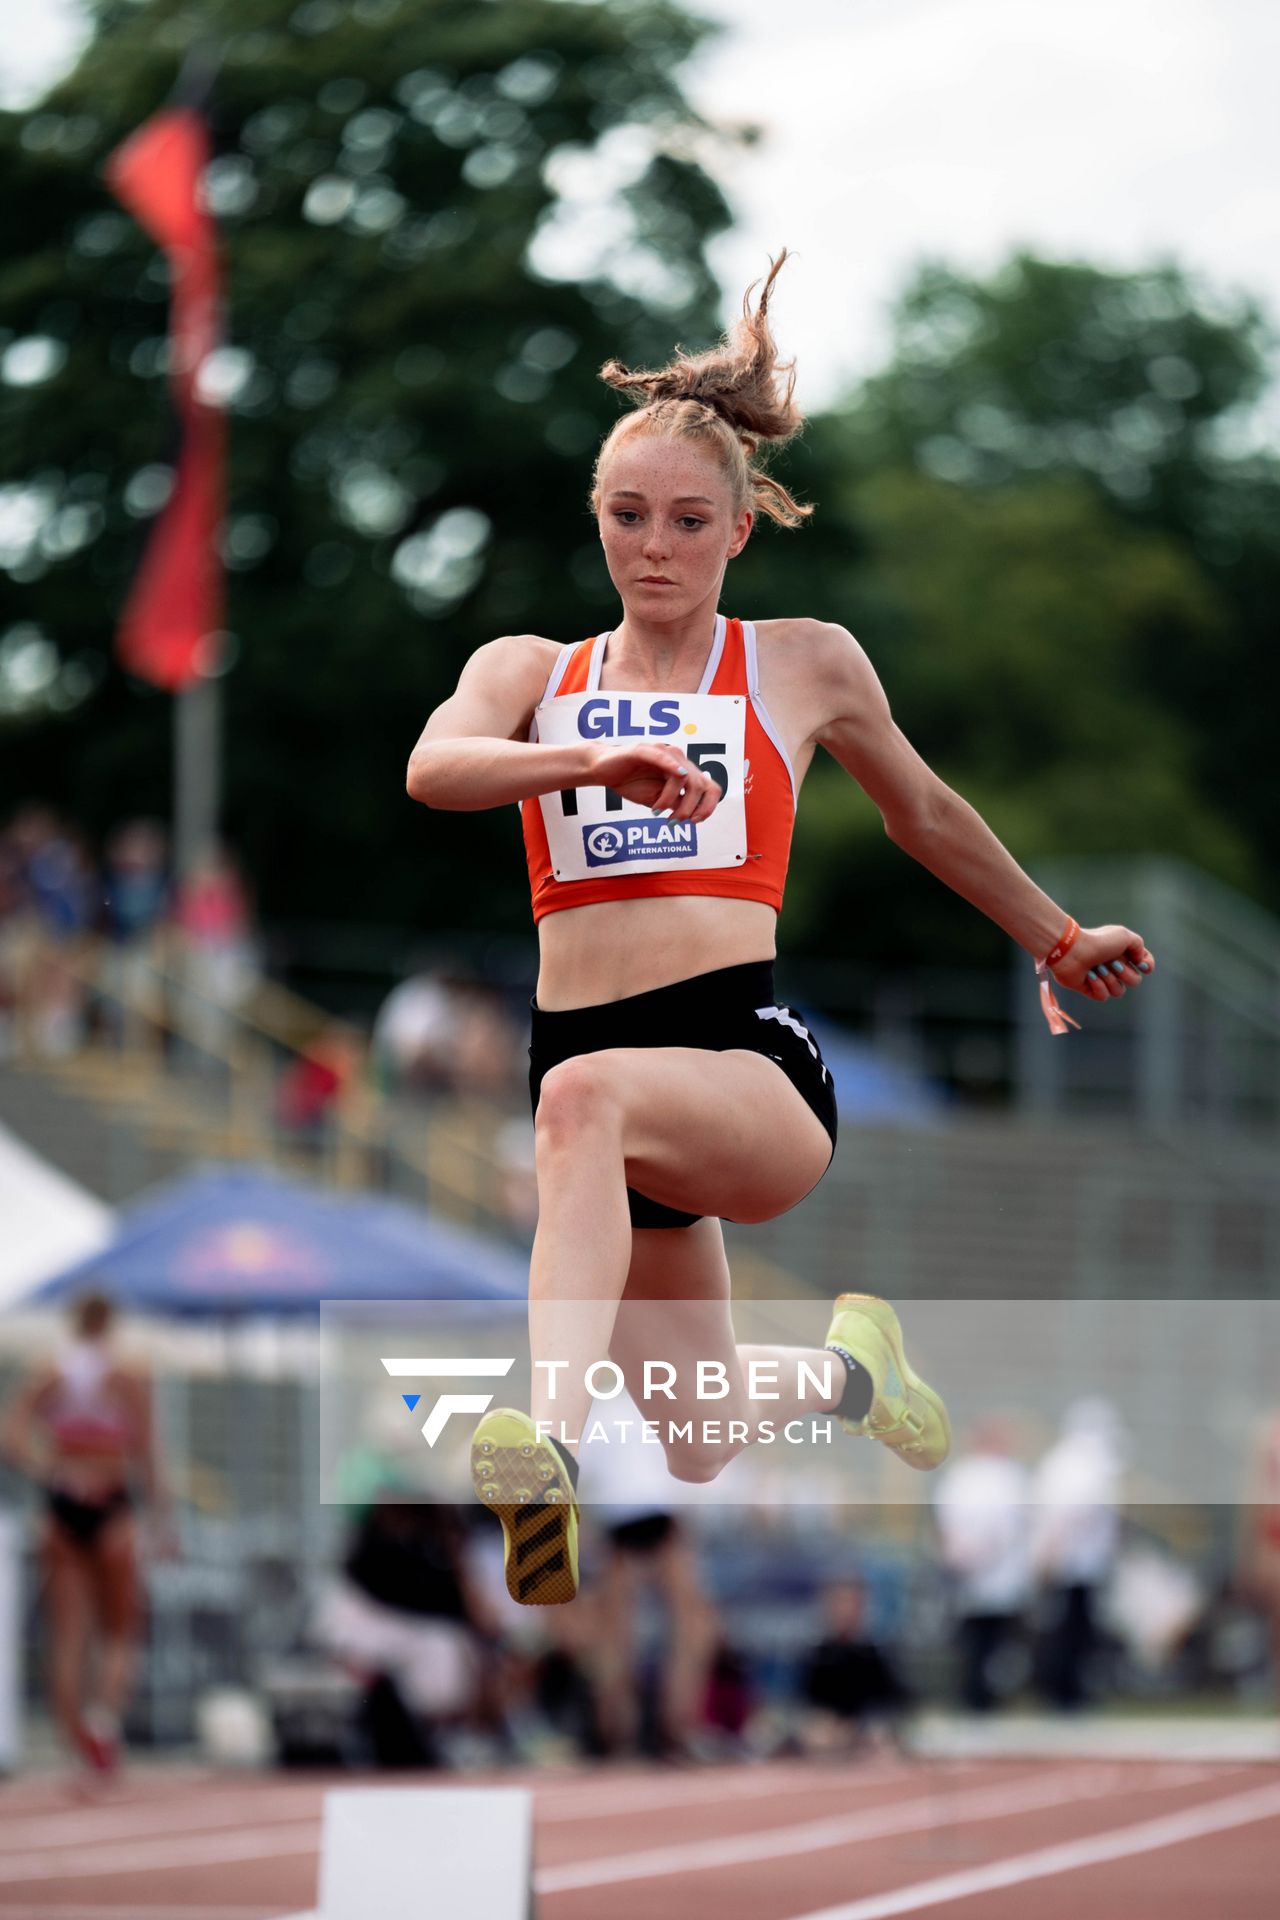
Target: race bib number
pixel 592 830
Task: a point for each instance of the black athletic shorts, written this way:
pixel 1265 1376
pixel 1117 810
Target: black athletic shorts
pixel 81 1521
pixel 731 1007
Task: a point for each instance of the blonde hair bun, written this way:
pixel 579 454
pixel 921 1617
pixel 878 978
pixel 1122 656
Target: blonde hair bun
pixel 734 398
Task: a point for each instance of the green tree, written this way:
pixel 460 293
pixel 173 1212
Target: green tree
pixel 1141 389
pixel 438 219
pixel 1043 517
pixel 1011 654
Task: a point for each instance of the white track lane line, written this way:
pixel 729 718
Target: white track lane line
pixel 161 1856
pixel 301 1837
pixel 871 1823
pixel 76 1826
pixel 136 1821
pixel 155 1846
pixel 1170 1830
pixel 609 1797
pixel 135 1912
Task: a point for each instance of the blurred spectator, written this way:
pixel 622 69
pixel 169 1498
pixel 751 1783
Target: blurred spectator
pixel 558 1689
pixel 137 886
pixel 1076 1535
pixel 137 900
pixel 848 1683
pixel 314 1081
pixel 213 917
pixel 413 1034
pixel 64 886
pixel 405 1616
pixel 491 1056
pixel 645 1556
pixel 1260 1538
pixel 442 1032
pixel 540 1700
pixel 14 933
pixel 729 1700
pixel 981 1505
pixel 1153 1604
pixel 651 1553
pixel 61 902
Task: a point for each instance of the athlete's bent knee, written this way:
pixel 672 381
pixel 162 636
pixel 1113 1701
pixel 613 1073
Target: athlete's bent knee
pixel 700 1463
pixel 577 1097
pixel 697 1468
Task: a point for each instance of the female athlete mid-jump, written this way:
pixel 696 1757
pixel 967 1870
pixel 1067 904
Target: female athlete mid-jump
pixel 657 769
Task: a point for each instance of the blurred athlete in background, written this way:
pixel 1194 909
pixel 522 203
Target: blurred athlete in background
pixel 82 1427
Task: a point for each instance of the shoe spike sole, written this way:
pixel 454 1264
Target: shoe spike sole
pixel 513 1477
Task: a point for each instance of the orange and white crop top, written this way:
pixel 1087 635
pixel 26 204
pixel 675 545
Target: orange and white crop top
pixel 587 843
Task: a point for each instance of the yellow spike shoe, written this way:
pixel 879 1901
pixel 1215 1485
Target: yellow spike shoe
pixel 905 1414
pixel 519 1475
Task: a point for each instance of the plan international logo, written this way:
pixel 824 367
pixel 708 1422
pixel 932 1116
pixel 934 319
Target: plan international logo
pixel 613 846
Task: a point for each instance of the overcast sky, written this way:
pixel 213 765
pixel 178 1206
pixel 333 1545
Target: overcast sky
pixel 1122 131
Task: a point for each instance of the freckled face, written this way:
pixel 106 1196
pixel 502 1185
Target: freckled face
pixel 667 524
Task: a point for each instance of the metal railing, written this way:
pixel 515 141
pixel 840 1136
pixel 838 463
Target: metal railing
pixel 198 1079
pixel 1176 1195
pixel 1202 1046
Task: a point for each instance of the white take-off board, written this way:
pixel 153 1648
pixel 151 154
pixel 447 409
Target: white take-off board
pixel 438 1853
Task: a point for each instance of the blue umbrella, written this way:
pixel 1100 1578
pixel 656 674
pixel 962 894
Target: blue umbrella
pixel 241 1240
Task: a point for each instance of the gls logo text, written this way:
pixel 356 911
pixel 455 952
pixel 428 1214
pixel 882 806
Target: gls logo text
pixel 451 1369
pixel 596 720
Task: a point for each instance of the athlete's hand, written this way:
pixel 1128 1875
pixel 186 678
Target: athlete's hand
pixel 1103 961
pixel 654 775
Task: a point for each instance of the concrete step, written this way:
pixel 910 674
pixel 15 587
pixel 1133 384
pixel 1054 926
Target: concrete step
pixel 1098 1736
pixel 92 1146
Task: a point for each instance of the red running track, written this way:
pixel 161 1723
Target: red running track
pixel 965 1840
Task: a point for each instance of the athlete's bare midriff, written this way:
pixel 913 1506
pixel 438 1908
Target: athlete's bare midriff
pixel 88 1477
pixel 615 948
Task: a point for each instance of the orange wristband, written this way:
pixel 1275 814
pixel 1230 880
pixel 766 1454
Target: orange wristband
pixel 1066 940
pixel 1058 1020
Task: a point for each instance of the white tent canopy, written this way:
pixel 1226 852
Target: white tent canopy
pixel 46 1220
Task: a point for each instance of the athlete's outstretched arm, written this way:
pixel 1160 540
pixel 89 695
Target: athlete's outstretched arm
pixel 474 751
pixel 937 827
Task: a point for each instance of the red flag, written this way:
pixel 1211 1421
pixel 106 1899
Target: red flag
pixel 175 602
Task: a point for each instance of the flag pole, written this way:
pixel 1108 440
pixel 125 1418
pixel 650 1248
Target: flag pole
pixel 197 706
pixel 171 623
pixel 197 729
